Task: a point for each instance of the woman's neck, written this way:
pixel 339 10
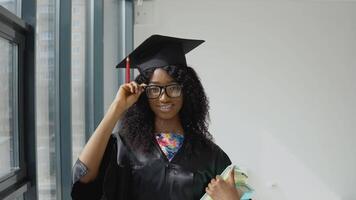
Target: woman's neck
pixel 169 125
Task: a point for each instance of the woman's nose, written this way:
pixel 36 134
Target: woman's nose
pixel 163 97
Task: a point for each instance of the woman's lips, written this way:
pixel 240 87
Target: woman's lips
pixel 165 107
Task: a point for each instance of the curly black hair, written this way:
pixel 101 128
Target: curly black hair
pixel 137 125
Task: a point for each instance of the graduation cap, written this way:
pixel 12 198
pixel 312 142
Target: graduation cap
pixel 158 51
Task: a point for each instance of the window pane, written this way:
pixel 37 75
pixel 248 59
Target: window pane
pixel 8 135
pixel 45 99
pixel 78 76
pixel 12 5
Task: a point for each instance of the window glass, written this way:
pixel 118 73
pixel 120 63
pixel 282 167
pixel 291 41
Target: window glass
pixel 78 76
pixel 12 5
pixel 9 151
pixel 45 99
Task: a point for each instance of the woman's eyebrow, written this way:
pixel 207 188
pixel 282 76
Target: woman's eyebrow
pixel 155 82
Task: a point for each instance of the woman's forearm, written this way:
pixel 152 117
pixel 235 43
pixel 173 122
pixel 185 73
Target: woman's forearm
pixel 94 149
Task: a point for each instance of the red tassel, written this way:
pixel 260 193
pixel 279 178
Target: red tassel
pixel 127 70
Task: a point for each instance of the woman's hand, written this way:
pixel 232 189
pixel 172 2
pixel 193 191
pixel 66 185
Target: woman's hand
pixel 219 189
pixel 129 93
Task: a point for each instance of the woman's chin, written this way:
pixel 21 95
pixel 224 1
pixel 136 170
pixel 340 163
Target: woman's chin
pixel 166 115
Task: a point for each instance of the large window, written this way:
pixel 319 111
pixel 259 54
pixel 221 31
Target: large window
pixel 9 150
pixel 13 161
pixel 79 35
pixel 48 78
pixel 51 91
pixel 46 99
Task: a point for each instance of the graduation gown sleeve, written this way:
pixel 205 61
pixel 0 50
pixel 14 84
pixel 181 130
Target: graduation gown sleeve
pixel 214 160
pixel 222 161
pixel 113 178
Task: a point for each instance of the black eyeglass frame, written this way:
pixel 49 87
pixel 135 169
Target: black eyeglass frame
pixel 163 88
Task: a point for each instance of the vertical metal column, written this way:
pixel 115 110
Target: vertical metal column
pixel 98 71
pixel 126 30
pixel 94 105
pixel 63 96
pixel 29 15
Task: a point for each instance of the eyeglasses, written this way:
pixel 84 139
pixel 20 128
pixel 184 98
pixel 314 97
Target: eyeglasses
pixel 155 91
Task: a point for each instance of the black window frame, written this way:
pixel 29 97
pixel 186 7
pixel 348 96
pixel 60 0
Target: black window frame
pixel 14 29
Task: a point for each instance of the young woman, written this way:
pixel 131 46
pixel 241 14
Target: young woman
pixel 163 149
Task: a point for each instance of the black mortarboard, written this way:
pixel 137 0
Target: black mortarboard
pixel 160 51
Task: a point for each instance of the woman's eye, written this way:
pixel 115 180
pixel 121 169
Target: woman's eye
pixel 154 90
pixel 174 88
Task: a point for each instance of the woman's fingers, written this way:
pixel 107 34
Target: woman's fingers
pixel 129 93
pixel 210 185
pixel 129 87
pixel 208 191
pixel 141 87
pixel 137 88
pixel 134 85
pixel 231 178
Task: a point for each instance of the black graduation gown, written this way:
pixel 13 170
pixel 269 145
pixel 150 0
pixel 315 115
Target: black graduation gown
pixel 126 173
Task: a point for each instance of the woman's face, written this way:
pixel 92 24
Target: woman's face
pixel 165 107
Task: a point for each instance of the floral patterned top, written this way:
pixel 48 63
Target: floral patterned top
pixel 170 143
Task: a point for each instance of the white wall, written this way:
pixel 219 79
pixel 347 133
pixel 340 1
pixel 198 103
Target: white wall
pixel 113 37
pixel 281 78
